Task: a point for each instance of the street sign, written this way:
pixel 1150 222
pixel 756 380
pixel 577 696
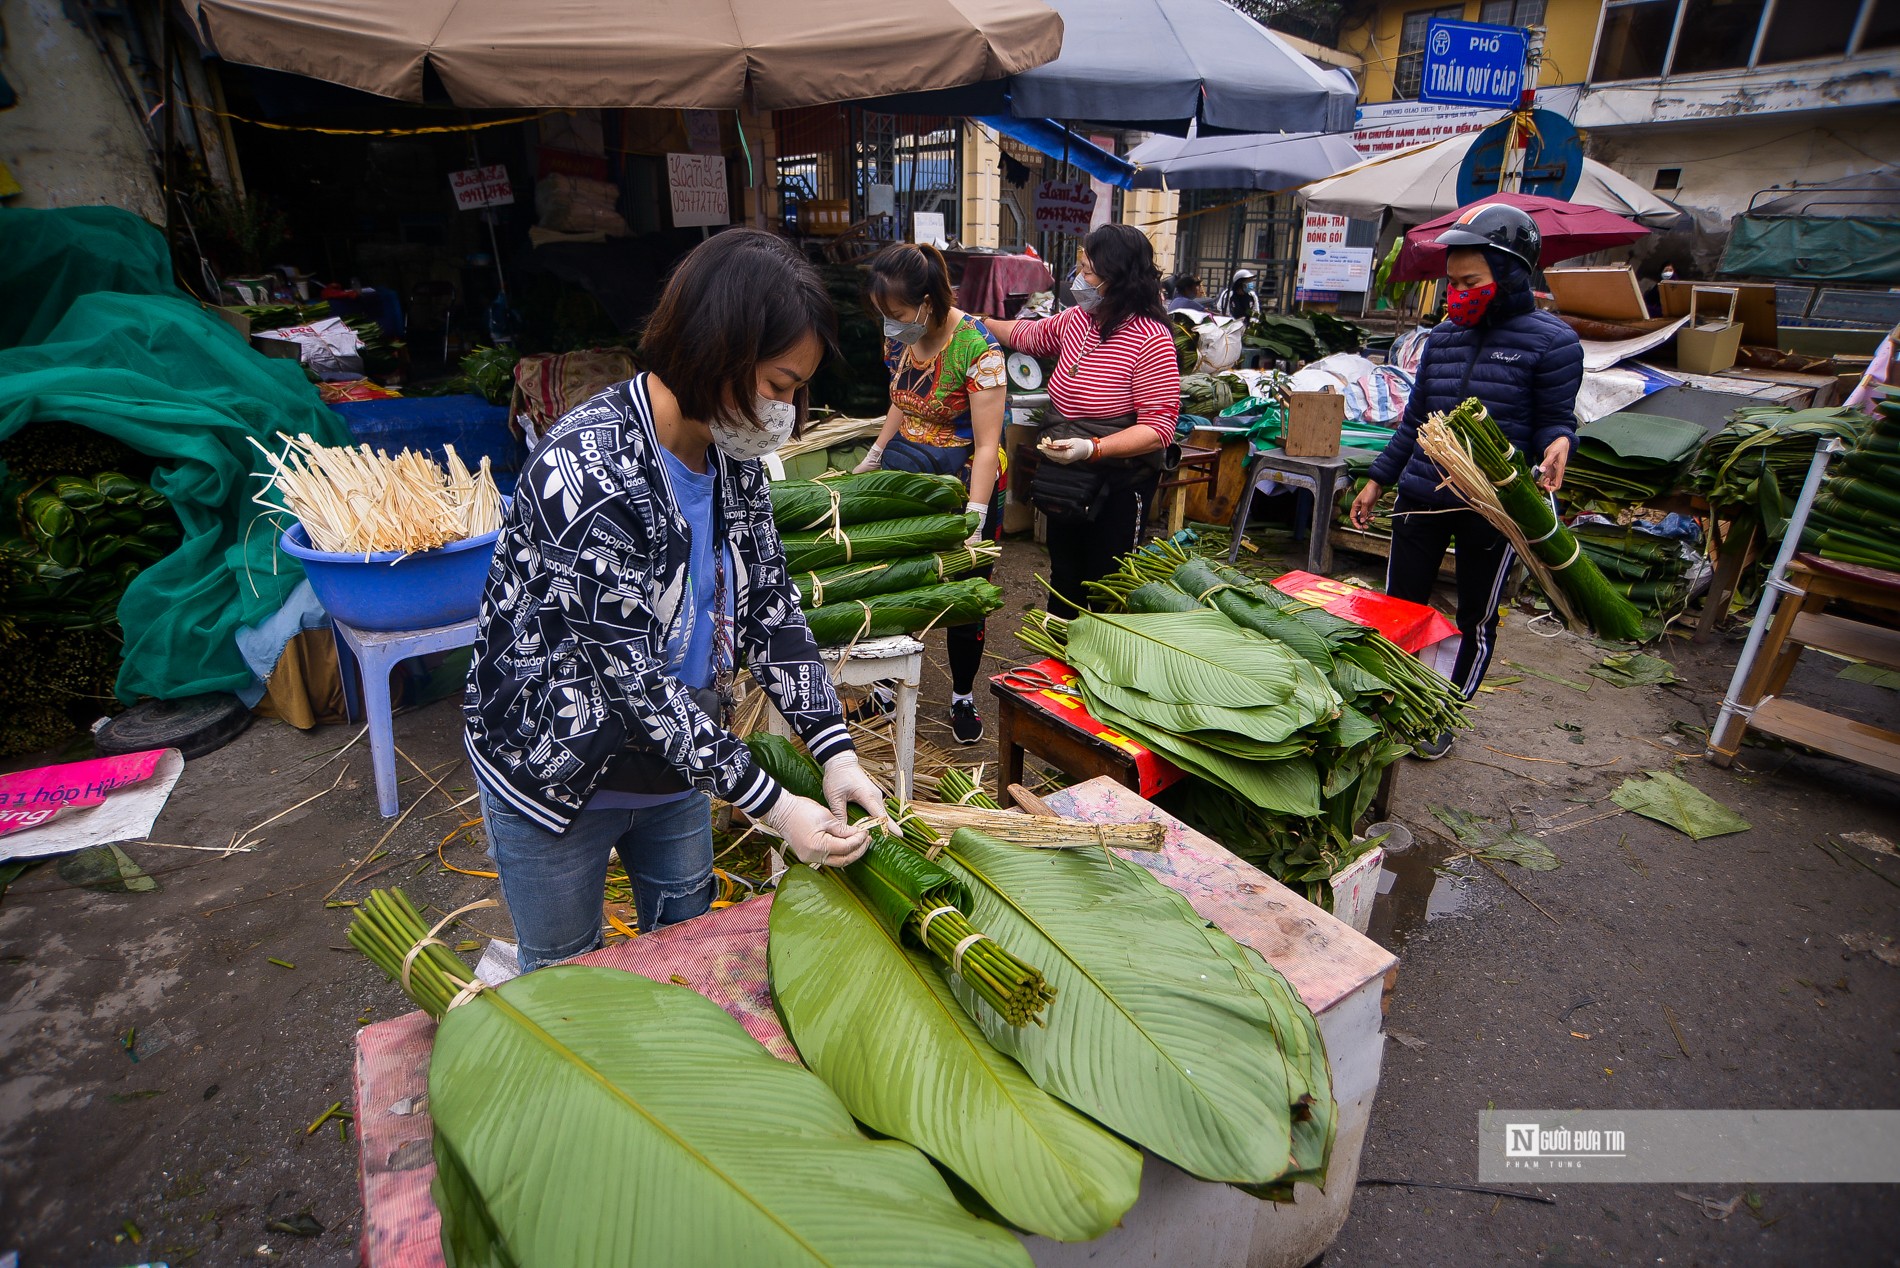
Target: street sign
pixel 480 187
pixel 1473 64
pixel 1553 159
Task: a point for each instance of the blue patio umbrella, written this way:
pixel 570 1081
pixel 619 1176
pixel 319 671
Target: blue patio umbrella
pixel 1159 65
pixel 1249 161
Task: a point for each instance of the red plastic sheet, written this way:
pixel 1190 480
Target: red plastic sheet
pixel 1413 626
pixel 1154 771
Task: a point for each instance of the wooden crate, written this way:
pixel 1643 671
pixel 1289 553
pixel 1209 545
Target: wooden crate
pixel 1314 421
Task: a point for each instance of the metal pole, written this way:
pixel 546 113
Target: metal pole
pixel 1771 592
pixel 1511 170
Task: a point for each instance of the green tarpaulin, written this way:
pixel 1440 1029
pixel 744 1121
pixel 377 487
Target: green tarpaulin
pixel 148 365
pixel 1814 248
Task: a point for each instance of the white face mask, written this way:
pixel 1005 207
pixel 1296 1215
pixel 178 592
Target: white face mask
pixel 1087 298
pixel 905 332
pixel 738 439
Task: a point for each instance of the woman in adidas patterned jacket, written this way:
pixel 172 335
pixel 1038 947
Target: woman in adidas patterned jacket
pixel 638 568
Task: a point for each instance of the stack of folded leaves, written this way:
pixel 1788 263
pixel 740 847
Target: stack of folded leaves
pixel 883 552
pixel 1628 459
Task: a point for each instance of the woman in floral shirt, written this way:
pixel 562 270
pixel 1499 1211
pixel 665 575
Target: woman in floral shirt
pixel 946 418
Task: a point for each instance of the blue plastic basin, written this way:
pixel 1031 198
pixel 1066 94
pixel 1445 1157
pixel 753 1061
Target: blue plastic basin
pixel 388 591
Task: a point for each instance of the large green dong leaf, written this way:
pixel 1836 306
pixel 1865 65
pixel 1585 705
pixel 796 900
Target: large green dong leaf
pixel 877 1022
pixel 585 1116
pixel 1163 1028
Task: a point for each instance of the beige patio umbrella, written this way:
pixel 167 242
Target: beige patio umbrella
pixel 688 54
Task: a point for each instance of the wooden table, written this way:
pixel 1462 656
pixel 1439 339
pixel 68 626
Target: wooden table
pixel 1338 973
pixel 1026 724
pixel 1802 621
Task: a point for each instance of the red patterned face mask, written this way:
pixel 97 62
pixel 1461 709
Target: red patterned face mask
pixel 1466 307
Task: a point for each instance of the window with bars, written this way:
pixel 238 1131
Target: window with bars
pixel 1512 12
pixel 1648 39
pixel 1409 71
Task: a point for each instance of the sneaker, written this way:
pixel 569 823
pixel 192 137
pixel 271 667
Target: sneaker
pixel 880 701
pixel 965 722
pixel 1434 748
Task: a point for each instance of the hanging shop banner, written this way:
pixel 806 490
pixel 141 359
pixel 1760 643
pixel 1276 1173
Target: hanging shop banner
pixel 697 183
pixel 1472 64
pixel 480 187
pixel 1065 207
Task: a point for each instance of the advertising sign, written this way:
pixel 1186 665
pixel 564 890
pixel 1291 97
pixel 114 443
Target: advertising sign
pixel 697 183
pixel 480 187
pixel 1065 207
pixel 1327 264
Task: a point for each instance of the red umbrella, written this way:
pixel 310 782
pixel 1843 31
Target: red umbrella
pixel 1569 229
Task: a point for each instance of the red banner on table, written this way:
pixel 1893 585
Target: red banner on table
pixel 1413 626
pixel 1049 685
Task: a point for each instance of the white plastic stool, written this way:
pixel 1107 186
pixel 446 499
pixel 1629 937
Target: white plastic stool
pixel 898 660
pixel 377 652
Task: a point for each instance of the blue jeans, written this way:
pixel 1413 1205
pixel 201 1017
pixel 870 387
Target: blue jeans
pixel 554 884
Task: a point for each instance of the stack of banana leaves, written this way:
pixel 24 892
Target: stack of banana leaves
pixel 571 1107
pixel 75 544
pixel 883 553
pixel 1648 570
pixel 1285 714
pixel 1856 515
pixel 1206 395
pixel 1753 468
pixel 1627 459
pixel 1160 1032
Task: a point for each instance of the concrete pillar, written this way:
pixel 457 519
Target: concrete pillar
pixel 982 188
pixel 1152 211
pixel 761 204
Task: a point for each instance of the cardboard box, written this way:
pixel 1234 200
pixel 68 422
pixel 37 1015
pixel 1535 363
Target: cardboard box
pixel 1605 292
pixel 1313 425
pixel 1754 304
pixel 1705 345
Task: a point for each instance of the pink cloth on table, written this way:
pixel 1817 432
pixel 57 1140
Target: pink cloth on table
pixel 989 281
pixel 722 956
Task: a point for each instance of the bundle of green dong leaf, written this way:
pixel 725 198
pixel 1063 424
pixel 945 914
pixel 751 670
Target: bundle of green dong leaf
pixel 1286 714
pixel 883 552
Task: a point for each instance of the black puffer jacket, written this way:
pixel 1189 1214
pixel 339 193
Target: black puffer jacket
pixel 1525 365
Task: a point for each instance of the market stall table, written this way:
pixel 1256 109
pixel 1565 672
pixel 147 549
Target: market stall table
pixel 1338 973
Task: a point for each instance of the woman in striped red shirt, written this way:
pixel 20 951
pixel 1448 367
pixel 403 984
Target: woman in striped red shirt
pixel 1115 396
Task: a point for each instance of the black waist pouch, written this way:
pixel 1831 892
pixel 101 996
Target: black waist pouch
pixel 1075 492
pixel 642 769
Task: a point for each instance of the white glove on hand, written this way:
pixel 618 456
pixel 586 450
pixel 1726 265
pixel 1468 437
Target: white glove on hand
pixel 872 461
pixel 845 783
pixel 1075 449
pixel 813 834
pixel 982 512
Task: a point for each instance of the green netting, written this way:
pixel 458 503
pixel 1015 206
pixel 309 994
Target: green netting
pixel 163 375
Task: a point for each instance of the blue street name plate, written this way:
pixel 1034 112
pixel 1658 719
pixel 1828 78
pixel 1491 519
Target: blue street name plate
pixel 1472 64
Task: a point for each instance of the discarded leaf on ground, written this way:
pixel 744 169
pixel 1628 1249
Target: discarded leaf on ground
pixel 302 1224
pixel 1881 948
pixel 1684 807
pixel 106 868
pixel 1872 842
pixel 1497 843
pixel 1872 674
pixel 1633 669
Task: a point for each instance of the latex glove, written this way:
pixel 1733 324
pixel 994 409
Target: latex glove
pixel 1363 505
pixel 1551 476
pixel 1075 449
pixel 982 512
pixel 846 784
pixel 873 460
pixel 813 834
